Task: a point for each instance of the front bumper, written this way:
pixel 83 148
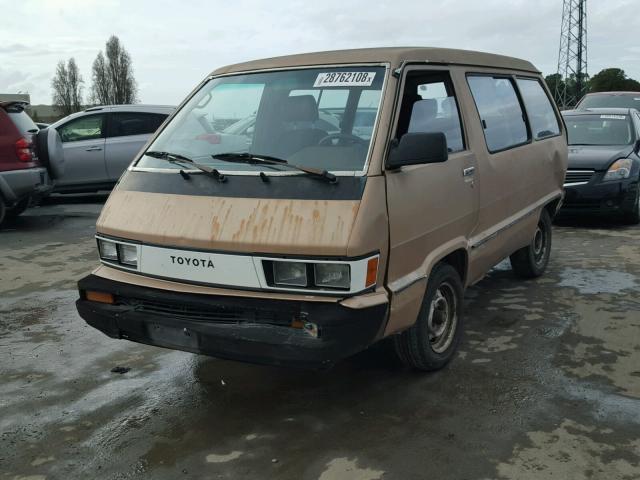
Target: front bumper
pixel 255 330
pixel 18 184
pixel 595 197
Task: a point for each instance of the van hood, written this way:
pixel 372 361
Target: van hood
pixel 286 215
pixel 596 157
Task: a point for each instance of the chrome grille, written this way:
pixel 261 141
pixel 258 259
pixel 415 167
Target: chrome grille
pixel 578 176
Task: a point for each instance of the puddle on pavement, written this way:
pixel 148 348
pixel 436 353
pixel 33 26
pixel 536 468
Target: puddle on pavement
pixel 594 280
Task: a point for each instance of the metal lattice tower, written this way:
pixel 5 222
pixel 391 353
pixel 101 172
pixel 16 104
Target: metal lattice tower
pixel 572 55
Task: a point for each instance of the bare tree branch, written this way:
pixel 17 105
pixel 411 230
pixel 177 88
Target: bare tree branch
pixel 67 87
pixel 113 81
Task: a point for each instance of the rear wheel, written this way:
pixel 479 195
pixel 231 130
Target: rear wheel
pixel 532 260
pixel 18 208
pixel 433 340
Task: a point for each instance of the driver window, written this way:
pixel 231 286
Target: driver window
pixel 83 128
pixel 429 105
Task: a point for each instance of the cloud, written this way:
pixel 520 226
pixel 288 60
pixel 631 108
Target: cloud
pixel 174 45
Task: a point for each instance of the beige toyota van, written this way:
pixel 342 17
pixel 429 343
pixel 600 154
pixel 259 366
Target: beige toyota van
pixel 295 210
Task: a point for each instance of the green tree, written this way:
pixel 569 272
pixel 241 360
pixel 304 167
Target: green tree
pixel 611 80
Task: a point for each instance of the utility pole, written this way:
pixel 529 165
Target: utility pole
pixel 572 54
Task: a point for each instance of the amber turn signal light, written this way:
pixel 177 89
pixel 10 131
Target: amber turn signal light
pixel 100 297
pixel 372 271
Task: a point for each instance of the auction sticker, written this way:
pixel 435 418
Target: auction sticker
pixel 344 79
pixel 613 117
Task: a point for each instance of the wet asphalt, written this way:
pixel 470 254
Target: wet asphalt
pixel 546 383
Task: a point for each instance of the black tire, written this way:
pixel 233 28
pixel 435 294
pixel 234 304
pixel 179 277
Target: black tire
pixel 532 260
pixel 18 208
pixel 632 216
pixel 421 347
pixel 3 210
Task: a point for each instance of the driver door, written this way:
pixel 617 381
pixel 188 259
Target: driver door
pixel 84 150
pixel 432 207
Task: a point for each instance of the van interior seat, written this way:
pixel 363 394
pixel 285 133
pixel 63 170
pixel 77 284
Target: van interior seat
pixel 298 115
pixel 425 118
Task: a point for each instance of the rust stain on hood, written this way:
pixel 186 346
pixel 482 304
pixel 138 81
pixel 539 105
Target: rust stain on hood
pixel 316 227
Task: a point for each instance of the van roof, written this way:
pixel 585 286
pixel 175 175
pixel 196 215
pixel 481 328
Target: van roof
pixel 393 55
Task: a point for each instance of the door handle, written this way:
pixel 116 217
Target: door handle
pixel 93 149
pixel 469 171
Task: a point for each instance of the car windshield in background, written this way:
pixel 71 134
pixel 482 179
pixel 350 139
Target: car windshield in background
pixel 611 101
pixel 318 117
pixel 599 129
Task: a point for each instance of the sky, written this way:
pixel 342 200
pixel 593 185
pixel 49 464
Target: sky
pixel 175 44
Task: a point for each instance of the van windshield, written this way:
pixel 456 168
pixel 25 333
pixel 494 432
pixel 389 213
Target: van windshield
pixel 318 117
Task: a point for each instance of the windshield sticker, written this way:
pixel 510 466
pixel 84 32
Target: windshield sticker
pixel 344 79
pixel 613 117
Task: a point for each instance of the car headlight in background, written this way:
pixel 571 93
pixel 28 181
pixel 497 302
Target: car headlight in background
pixel 619 170
pixel 292 274
pixel 332 275
pixel 107 250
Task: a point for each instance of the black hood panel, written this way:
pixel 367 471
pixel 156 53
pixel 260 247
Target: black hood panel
pixel 596 157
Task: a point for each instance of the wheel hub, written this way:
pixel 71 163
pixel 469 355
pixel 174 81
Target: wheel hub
pixel 442 318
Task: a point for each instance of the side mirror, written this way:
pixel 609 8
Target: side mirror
pixel 418 148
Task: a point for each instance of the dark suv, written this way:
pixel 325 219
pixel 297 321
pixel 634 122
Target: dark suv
pixel 29 158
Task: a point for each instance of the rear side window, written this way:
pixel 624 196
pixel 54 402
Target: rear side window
pixel 22 121
pixel 542 118
pixel 88 127
pixel 123 124
pixel 500 112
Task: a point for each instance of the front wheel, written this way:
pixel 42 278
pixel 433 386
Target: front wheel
pixel 632 216
pixel 433 340
pixel 532 260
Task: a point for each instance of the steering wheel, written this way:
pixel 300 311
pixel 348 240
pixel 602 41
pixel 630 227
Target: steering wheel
pixel 341 137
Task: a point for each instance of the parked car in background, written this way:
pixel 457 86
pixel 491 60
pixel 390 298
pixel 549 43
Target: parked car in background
pixel 604 166
pixel 25 154
pixel 100 143
pixel 610 100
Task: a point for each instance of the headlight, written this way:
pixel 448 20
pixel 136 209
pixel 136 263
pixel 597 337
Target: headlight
pixel 290 273
pixel 128 254
pixel 620 169
pixel 108 250
pixel 332 275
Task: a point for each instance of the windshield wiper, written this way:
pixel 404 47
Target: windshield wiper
pixel 256 159
pixel 178 159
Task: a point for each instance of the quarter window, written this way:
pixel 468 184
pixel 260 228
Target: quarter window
pixel 541 114
pixel 84 128
pixel 131 123
pixel 500 112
